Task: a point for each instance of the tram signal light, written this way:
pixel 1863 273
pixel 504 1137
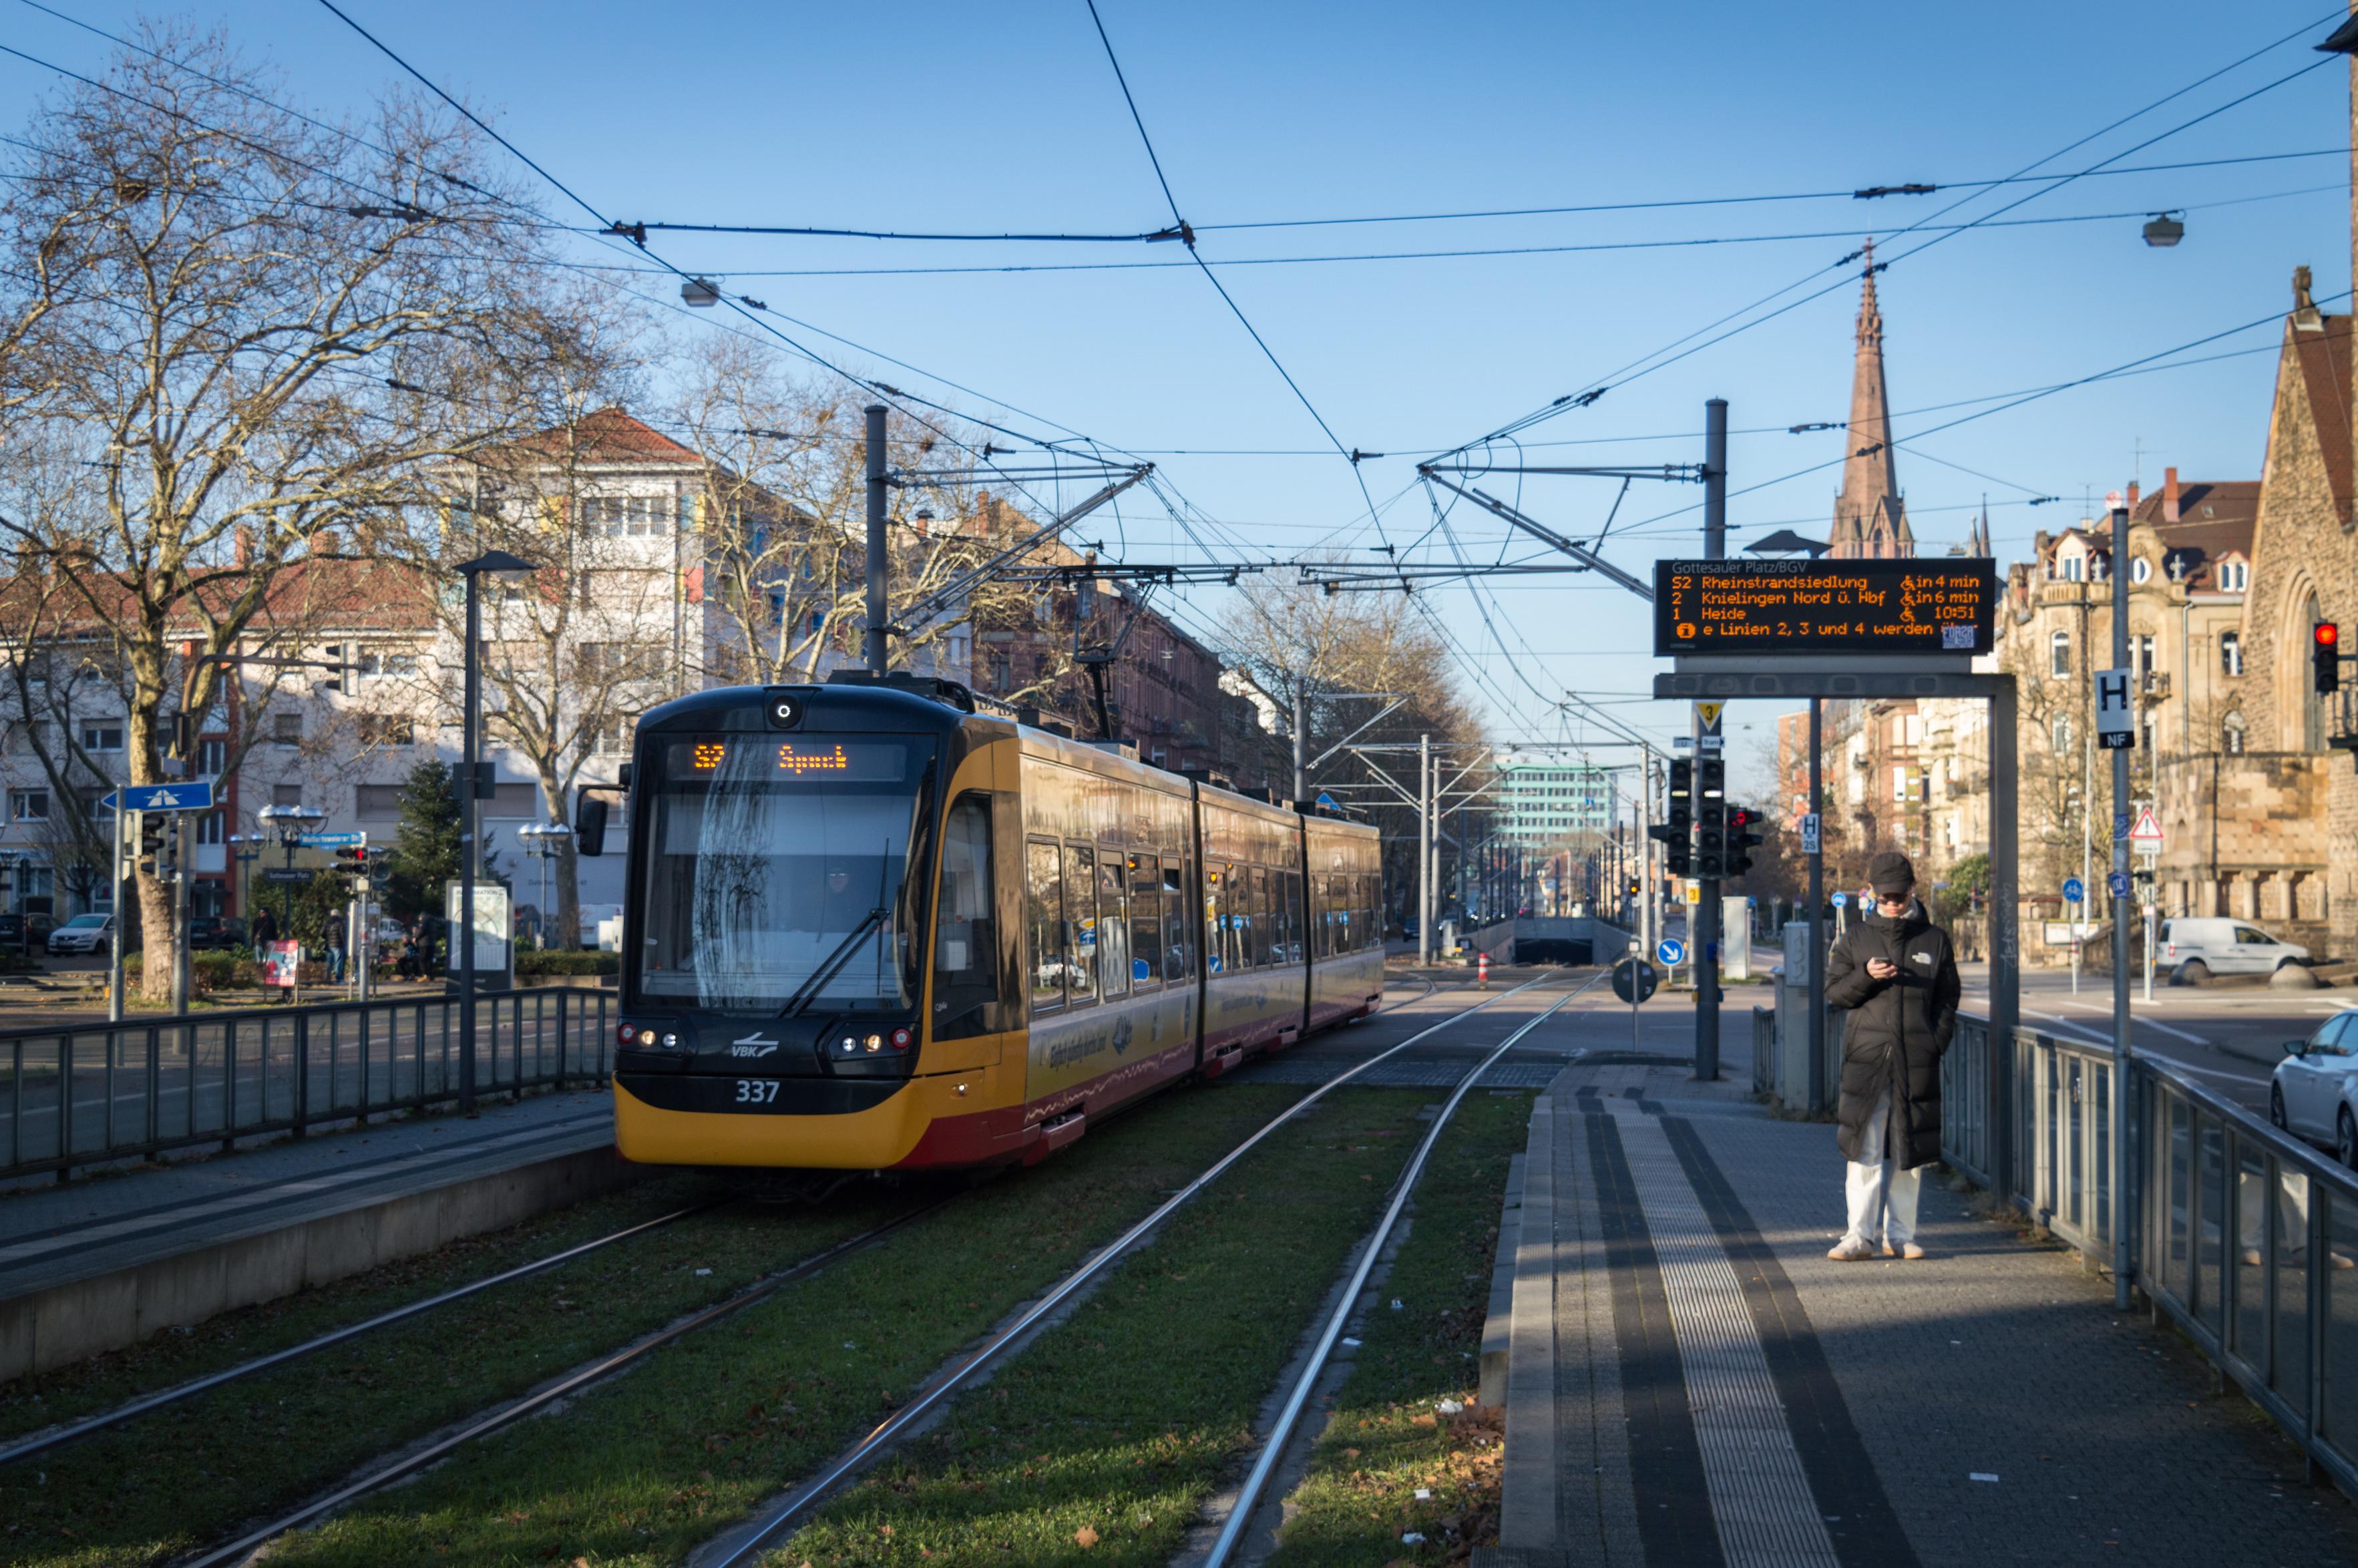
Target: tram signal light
pixel 1676 835
pixel 2325 655
pixel 1744 826
pixel 353 862
pixel 152 860
pixel 1711 819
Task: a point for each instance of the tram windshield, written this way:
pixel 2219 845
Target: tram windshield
pixel 775 870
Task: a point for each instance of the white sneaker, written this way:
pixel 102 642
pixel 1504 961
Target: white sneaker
pixel 1850 1250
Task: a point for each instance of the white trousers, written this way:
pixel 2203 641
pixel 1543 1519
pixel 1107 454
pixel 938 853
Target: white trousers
pixel 1882 1196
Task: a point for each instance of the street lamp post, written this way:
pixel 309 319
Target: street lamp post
pixel 470 791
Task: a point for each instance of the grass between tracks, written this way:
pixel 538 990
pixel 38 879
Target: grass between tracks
pixel 641 1469
pixel 163 1482
pixel 1101 1443
pixel 1385 1440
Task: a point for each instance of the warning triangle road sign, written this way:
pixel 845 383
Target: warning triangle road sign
pixel 1709 713
pixel 2147 830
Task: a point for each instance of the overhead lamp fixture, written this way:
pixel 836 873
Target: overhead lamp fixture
pixel 2162 230
pixel 703 293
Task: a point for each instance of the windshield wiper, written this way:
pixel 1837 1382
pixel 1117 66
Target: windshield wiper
pixel 804 992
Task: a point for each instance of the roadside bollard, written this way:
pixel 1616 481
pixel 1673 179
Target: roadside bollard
pixel 1482 972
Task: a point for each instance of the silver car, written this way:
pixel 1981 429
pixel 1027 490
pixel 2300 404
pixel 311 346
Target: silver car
pixel 82 934
pixel 2315 1091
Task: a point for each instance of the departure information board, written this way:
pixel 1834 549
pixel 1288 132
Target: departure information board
pixel 1781 609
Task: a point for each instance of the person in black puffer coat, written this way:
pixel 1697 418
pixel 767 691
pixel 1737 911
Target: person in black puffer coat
pixel 1895 974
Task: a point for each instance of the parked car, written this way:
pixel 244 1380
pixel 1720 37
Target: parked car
pixel 2194 949
pixel 216 931
pixel 21 931
pixel 2315 1091
pixel 82 934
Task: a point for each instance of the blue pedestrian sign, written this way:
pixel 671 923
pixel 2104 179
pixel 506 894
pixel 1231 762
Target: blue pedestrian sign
pixel 2118 883
pixel 1841 899
pixel 198 796
pixel 1672 952
pixel 2074 890
pixel 331 841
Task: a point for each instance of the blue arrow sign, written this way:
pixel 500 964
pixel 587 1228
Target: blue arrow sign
pixel 1672 951
pixel 331 841
pixel 2074 890
pixel 198 796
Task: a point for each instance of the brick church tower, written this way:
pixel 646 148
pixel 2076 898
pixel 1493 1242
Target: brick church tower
pixel 1870 518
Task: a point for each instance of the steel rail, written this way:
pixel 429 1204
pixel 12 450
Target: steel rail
pixel 604 1367
pixel 1274 1445
pixel 752 1547
pixel 58 1438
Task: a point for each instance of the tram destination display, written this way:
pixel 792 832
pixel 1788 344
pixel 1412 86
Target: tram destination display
pixel 1770 609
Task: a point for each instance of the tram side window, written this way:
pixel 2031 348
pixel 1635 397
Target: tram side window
pixel 1259 929
pixel 1080 926
pixel 1322 889
pixel 1370 933
pixel 1145 923
pixel 1292 924
pixel 1220 931
pixel 1044 905
pixel 1178 955
pixel 1113 926
pixel 965 934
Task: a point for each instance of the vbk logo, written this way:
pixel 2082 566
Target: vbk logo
pixel 753 1045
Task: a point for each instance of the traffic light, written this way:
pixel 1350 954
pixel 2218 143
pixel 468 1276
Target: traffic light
pixel 1675 836
pixel 1744 826
pixel 354 864
pixel 1711 819
pixel 2325 655
pixel 152 862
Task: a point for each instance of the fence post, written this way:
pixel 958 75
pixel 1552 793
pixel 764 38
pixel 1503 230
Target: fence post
pixel 560 1034
pixel 65 1107
pixel 229 1082
pixel 302 1070
pixel 155 1074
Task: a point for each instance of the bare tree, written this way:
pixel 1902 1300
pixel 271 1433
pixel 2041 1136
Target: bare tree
pixel 250 328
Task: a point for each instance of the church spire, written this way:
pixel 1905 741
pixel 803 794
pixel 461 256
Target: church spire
pixel 1869 517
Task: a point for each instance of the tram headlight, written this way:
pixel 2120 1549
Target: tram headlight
pixel 900 1040
pixel 671 1042
pixel 876 1043
pixel 847 1045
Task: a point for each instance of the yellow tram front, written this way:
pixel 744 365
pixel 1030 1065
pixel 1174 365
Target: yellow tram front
pixel 787 846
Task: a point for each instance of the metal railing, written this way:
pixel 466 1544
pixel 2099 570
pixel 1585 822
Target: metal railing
pixel 84 1093
pixel 2244 1236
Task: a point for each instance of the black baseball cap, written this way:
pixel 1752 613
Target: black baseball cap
pixel 1891 873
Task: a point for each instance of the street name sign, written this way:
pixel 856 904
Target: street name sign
pixel 2115 709
pixel 198 796
pixel 1772 608
pixel 333 840
pixel 287 873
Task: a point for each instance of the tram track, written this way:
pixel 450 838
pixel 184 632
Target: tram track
pixel 755 1540
pixel 61 1436
pixel 599 1370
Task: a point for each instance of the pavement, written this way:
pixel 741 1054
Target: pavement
pixel 1693 1381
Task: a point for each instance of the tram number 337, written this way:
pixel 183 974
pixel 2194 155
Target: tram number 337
pixel 756 1091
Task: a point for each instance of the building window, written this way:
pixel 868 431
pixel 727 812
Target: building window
pixel 286 794
pixel 2059 655
pixel 614 734
pixel 29 805
pixel 382 663
pixel 2235 576
pixel 2313 707
pixel 287 729
pixel 2061 734
pixel 372 802
pixel 210 827
pixel 2068 568
pixel 1899 791
pixel 2140 569
pixel 388 730
pixel 2142 647
pixel 2231 735
pixel 2231 652
pixel 626 516
pixel 212 756
pixel 101 736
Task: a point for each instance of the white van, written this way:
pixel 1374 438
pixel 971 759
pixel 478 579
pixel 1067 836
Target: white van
pixel 2195 949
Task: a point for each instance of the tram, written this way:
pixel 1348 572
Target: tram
pixel 869 928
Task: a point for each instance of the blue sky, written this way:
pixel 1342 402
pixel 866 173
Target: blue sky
pixel 960 117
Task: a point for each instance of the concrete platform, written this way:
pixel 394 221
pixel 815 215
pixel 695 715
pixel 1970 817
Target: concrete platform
pixel 105 1262
pixel 1691 1380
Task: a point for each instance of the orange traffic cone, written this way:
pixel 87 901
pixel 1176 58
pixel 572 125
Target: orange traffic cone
pixel 1482 972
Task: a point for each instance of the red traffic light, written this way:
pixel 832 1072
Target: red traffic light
pixel 2328 633
pixel 2325 656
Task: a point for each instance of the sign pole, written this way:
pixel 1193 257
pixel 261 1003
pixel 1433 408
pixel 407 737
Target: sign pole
pixel 1706 934
pixel 2120 890
pixel 1814 843
pixel 122 921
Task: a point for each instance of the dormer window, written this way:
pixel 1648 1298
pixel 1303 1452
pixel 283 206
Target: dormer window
pixel 2235 576
pixel 2068 567
pixel 2140 569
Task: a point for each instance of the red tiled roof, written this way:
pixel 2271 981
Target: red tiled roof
pixel 610 436
pixel 2216 518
